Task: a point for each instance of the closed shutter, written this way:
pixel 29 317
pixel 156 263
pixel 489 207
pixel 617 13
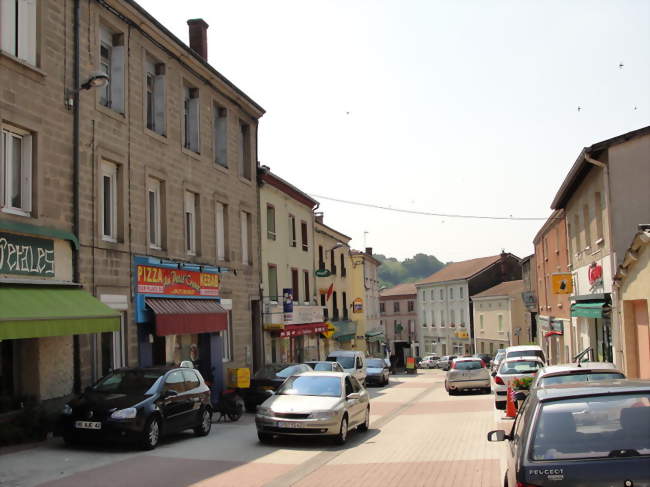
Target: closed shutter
pixel 26 170
pixel 194 124
pixel 8 27
pixel 159 103
pixel 117 78
pixel 27 30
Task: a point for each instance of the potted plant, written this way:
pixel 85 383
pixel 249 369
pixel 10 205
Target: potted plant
pixel 521 387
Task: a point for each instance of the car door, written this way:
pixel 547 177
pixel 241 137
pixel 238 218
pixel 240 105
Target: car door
pixel 360 369
pixel 363 399
pixel 174 402
pixel 516 445
pixel 193 394
pixel 352 405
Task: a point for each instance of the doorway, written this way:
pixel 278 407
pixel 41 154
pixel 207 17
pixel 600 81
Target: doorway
pixel 258 348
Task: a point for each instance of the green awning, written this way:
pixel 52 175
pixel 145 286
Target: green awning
pixel 375 335
pixel 345 330
pixel 589 310
pixel 43 311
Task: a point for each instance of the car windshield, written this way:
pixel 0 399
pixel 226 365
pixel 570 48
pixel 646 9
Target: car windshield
pixel 141 382
pixel 272 370
pixel 526 353
pixel 322 366
pixel 577 377
pixel 346 362
pixel 468 365
pixel 376 363
pixel 520 367
pixel 593 427
pixel 311 386
pixel 499 357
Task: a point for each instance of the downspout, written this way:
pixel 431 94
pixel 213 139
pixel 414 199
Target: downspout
pixel 76 346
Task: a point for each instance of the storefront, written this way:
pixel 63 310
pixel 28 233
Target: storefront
pixel 551 330
pixel 41 310
pixel 294 333
pixel 593 315
pixel 345 334
pixel 181 317
pixel 376 341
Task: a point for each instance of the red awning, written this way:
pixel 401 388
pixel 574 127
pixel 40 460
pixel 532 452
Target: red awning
pixel 187 316
pixel 298 330
pixel 551 333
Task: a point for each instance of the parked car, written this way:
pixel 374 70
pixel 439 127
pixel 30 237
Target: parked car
pixel 594 434
pixel 498 358
pixel 325 366
pixel 268 379
pixel 525 351
pixel 353 362
pixel 315 404
pixel 577 372
pixel 429 362
pixel 378 372
pixel 467 373
pixel 139 405
pixel 509 370
pixel 445 361
pixel 487 359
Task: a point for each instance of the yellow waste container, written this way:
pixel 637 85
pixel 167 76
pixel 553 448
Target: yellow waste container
pixel 239 377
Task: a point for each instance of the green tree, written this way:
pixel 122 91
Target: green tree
pixel 393 272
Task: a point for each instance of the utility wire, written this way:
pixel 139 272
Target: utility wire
pixel 426 213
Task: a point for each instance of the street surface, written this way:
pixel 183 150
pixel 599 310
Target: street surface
pixel 419 436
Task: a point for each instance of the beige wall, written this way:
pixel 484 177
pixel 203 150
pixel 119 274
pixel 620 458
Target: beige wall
pixel 390 317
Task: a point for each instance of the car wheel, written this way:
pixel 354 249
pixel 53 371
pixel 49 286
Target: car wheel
pixel 342 437
pixel 239 410
pixel 264 437
pixel 151 434
pixel 365 426
pixel 204 428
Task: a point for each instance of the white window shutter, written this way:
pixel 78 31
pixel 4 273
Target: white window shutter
pixel 8 26
pixel 117 78
pixel 159 103
pixel 27 172
pixel 194 124
pixel 27 30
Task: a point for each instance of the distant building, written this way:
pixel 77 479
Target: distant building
pixel 398 317
pixel 529 294
pixel 364 291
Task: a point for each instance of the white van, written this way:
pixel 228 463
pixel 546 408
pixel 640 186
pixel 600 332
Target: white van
pixel 525 351
pixel 352 361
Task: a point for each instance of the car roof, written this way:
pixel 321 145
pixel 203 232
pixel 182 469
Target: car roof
pixel 516 348
pixel 524 359
pixel 586 367
pixel 323 374
pixel 344 353
pixel 163 369
pixel 616 386
pixel 468 359
pixel 318 362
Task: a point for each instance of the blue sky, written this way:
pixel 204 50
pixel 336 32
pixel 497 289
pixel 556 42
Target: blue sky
pixel 458 106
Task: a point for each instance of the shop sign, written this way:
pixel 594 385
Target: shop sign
pixel 177 282
pixel 26 255
pixel 357 305
pixel 287 304
pixel 530 300
pixel 323 273
pixel 331 329
pixel 595 275
pixel 561 283
pixel 299 330
pixel 462 334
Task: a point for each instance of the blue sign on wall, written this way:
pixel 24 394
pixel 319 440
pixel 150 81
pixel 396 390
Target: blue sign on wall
pixel 287 300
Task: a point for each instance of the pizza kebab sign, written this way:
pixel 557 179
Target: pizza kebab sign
pixel 177 282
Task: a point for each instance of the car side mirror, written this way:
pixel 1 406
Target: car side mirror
pixel 520 396
pixel 169 393
pixel 353 395
pixel 497 435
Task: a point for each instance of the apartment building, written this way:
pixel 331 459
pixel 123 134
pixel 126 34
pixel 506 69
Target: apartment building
pixel 398 318
pixel 364 291
pixel 292 315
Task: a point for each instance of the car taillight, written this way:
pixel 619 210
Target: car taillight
pixel 499 381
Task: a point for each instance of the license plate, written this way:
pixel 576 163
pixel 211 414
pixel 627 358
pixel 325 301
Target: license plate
pixel 88 425
pixel 289 424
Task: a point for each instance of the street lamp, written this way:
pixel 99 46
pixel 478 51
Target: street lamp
pixel 97 80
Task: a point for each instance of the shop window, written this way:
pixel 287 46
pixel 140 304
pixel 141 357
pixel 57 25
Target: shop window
pixel 244 150
pixel 111 63
pixel 221 225
pixel 18 29
pixel 306 278
pixel 155 95
pixel 108 201
pixel 155 212
pixel 270 222
pixel 191 217
pixel 16 171
pixel 191 126
pixel 292 234
pixel 220 136
pixel 273 282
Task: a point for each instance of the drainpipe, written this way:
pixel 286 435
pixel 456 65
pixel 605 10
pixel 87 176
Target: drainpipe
pixel 75 141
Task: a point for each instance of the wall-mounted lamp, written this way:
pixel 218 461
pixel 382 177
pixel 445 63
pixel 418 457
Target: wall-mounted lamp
pixel 97 80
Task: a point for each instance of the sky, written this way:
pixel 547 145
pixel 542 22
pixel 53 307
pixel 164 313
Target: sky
pixel 452 107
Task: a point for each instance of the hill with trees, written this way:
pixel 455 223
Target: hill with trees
pixel 393 272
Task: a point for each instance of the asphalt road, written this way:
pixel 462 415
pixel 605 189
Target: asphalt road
pixel 419 436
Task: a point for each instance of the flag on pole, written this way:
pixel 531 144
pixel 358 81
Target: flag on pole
pixel 330 290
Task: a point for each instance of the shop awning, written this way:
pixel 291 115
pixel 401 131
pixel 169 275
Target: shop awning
pixel 375 336
pixel 594 309
pixel 187 316
pixel 43 311
pixel 345 330
pixel 306 329
pixel 552 333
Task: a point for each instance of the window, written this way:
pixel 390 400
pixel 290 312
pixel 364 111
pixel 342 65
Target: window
pixel 569 228
pixel 442 318
pixel 191 118
pixel 111 63
pixel 452 318
pixel 576 220
pixel 598 210
pixel 273 282
pixel 587 221
pixel 335 306
pixel 343 270
pixel 226 340
pixel 424 318
pixel 433 318
pixel 462 317
pixel 432 295
pixel 305 275
pixel 332 262
pixel 396 306
pixel 154 208
pixel 442 294
pixel 292 235
pixel 461 292
pixel 344 295
pixel 221 215
pixel 500 324
pixel 244 150
pixel 191 211
pixel 270 222
pixel 295 287
pixel 220 136
pixel 382 307
pixel 411 306
pixel 303 232
pixel 18 29
pixel 481 322
pixel 321 259
pixel 155 96
pixel 16 171
pixel 451 293
pixel 108 203
pixel 245 232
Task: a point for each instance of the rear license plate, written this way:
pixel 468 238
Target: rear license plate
pixel 289 424
pixel 88 425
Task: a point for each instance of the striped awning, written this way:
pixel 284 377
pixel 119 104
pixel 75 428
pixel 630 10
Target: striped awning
pixel 187 316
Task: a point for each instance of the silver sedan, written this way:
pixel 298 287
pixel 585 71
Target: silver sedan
pixel 315 404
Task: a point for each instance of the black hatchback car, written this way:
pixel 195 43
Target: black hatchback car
pixel 266 380
pixel 572 435
pixel 140 405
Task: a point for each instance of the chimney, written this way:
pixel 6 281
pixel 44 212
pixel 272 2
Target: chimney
pixel 319 217
pixel 199 37
pixel 369 250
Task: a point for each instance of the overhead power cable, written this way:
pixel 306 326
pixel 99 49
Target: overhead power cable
pixel 426 213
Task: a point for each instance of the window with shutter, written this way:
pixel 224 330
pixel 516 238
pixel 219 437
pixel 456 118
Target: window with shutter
pixel 16 171
pixel 18 29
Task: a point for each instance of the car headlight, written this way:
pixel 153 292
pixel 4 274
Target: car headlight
pixel 128 413
pixel 264 411
pixel 67 410
pixel 323 414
